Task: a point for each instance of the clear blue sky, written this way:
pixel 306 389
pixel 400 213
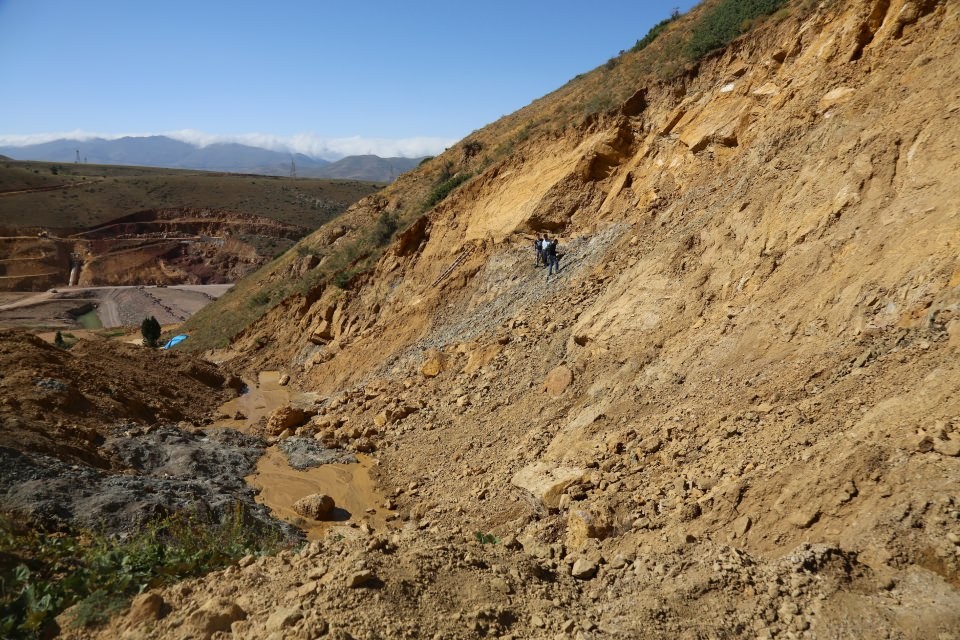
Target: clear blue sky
pixel 318 76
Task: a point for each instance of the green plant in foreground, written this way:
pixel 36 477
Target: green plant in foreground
pixel 41 574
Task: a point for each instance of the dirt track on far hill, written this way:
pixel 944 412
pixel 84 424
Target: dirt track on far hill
pixel 114 306
pixel 55 187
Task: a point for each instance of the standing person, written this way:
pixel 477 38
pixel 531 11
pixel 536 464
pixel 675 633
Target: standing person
pixel 538 249
pixel 550 255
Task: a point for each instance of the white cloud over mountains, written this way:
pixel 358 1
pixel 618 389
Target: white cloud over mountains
pixel 306 143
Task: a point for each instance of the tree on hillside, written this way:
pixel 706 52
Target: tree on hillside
pixel 59 341
pixel 150 330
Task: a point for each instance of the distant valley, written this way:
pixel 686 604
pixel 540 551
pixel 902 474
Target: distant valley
pixel 161 151
pixel 107 225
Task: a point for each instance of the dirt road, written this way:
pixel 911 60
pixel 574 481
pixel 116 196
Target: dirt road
pixel 115 306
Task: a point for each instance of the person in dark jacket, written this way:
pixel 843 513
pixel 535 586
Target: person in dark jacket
pixel 549 249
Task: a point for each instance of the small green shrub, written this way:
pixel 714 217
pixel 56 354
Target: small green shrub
pixel 342 279
pixel 384 229
pixel 472 148
pixel 444 189
pixel 106 333
pixel 598 103
pixel 304 250
pixel 486 538
pixel 657 29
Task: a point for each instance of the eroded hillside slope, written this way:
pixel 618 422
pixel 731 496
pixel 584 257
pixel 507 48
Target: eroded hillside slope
pixel 734 412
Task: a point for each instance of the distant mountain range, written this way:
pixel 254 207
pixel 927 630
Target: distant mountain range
pixel 161 151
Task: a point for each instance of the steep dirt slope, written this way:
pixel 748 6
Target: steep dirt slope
pixel 735 411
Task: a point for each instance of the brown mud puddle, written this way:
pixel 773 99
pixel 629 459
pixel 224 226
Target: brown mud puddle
pixel 279 485
pixel 259 401
pixel 350 486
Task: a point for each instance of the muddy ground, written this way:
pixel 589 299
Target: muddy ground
pixel 108 435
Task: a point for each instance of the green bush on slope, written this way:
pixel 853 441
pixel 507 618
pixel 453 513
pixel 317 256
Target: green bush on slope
pixel 657 29
pixel 724 22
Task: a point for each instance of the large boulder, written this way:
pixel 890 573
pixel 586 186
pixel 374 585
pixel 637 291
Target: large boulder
pixel 285 418
pixel 434 363
pixel 586 522
pixel 216 615
pixel 546 481
pixel 558 380
pixel 318 506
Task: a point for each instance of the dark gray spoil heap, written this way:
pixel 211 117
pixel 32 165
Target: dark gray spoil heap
pixel 169 470
pixel 304 453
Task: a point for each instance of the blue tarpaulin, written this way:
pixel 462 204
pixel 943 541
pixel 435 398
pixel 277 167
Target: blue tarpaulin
pixel 175 340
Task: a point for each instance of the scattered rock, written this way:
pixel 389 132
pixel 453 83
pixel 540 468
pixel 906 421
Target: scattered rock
pixel 216 614
pixel 742 525
pixel 285 418
pixel 558 380
pixel 835 97
pixel 690 511
pixel 510 541
pixel 434 363
pixel 145 608
pixel 358 579
pixel 584 569
pixel 547 482
pixel 651 444
pixel 619 561
pixel 804 517
pixel 306 453
pixel 586 523
pixel 283 618
pixel 947 447
pixel 500 585
pixel 318 506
